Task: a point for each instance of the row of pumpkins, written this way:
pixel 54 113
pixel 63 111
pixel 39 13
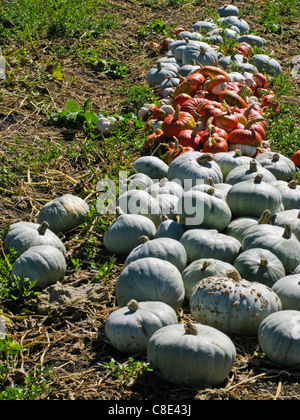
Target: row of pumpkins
pixel 218 230
pixel 215 224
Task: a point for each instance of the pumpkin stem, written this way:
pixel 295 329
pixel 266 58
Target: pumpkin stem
pixel 258 178
pixel 195 129
pixel 209 181
pixel 177 218
pixel 205 265
pixel 205 158
pixel 190 328
pixel 253 165
pixel 238 152
pixel 264 218
pixel 275 157
pixel 163 181
pixel 119 211
pixel 251 122
pixel 159 65
pixel 176 113
pixel 210 191
pixel 143 239
pixel 287 233
pixel 133 305
pixel 43 228
pixel 293 184
pixel 234 275
pixel 264 261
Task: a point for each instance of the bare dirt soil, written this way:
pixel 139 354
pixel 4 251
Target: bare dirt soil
pixel 67 332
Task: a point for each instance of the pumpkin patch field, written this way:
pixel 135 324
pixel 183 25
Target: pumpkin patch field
pixel 150 200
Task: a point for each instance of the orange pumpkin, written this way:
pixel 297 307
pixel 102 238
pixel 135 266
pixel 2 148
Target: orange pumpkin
pixel 177 122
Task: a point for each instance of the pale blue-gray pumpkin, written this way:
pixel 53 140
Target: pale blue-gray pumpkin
pixel 140 202
pixel 169 228
pixel 42 264
pixel 192 168
pixel 290 193
pixel 200 209
pixel 23 235
pixel 281 166
pixel 123 235
pixel 291 217
pixel 166 249
pixel 230 160
pixel 266 64
pixel 191 354
pixel 288 290
pixel 201 269
pixel 281 241
pixel 129 328
pixel 278 338
pixel 152 166
pixel 248 171
pixel 259 265
pixel 209 243
pixel 150 279
pixel 238 227
pixel 233 305
pixel 253 197
pixel 201 52
pixel 64 213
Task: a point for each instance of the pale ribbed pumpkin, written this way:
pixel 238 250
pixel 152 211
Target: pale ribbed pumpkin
pixel 23 235
pixel 150 279
pixel 64 213
pixel 232 304
pixel 278 338
pixel 259 265
pixel 191 354
pixel 42 264
pixel 253 197
pixel 129 328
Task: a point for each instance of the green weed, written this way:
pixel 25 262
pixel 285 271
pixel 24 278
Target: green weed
pixel 127 370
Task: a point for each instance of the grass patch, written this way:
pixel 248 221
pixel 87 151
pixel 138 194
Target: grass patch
pixel 54 20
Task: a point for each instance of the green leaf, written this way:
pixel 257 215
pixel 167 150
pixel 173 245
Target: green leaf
pixel 57 72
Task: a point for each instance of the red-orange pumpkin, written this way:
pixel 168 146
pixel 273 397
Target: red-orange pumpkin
pixel 173 124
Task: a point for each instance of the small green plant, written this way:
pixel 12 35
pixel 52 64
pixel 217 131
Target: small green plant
pixel 135 96
pixel 127 370
pixel 35 384
pixel 157 26
pixel 12 287
pixel 75 116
